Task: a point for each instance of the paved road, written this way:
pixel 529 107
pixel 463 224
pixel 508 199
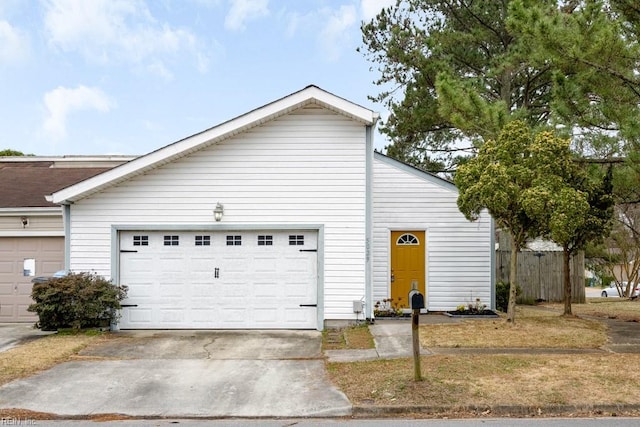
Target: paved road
pixel 480 422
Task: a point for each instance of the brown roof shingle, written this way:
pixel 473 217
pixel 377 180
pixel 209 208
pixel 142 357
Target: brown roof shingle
pixel 25 184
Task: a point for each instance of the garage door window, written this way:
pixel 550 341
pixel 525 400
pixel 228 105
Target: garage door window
pixel 234 240
pixel 171 240
pixel 29 267
pixel 140 240
pixel 203 240
pixel 265 240
pixel 296 240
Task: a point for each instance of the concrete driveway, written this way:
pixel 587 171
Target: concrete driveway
pixel 13 334
pixel 188 374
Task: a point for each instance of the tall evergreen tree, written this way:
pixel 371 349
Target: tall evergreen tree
pixel 452 74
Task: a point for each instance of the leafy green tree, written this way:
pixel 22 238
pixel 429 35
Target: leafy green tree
pixel 532 185
pixel 571 206
pixel 9 152
pixel 497 180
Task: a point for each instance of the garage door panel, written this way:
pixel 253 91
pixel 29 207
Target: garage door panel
pixel 22 312
pixel 29 245
pixel 24 289
pixel 293 315
pixel 138 315
pixel 172 291
pixel 266 290
pixel 232 315
pixel 15 287
pixel 296 290
pixel 172 315
pixel 6 289
pixel 6 267
pixel 265 315
pixel 242 285
pixel 203 290
pixel 8 313
pixel 141 266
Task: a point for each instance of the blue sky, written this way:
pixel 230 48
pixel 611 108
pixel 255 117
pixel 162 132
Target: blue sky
pixel 130 76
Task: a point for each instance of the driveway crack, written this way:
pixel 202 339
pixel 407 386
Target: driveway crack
pixel 207 344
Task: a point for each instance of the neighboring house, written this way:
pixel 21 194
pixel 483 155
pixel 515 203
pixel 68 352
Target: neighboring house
pixel 31 229
pixel 280 218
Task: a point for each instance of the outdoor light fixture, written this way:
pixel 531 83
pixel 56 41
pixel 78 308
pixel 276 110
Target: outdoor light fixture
pixel 25 221
pixel 218 212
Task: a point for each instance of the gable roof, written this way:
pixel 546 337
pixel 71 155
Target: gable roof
pixel 307 96
pixel 427 176
pixel 25 181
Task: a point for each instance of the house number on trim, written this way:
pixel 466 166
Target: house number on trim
pixel 216 273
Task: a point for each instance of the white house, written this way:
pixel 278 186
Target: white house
pixel 279 218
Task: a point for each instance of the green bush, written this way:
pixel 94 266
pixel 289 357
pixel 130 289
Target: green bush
pixel 79 300
pixel 502 295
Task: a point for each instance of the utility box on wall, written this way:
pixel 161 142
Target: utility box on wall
pixel 358 306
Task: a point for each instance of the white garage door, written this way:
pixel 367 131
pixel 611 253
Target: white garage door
pixel 219 280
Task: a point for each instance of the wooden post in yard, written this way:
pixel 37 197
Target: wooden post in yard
pixel 415 333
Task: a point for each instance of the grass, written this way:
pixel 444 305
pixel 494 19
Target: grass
pixel 534 328
pixel 479 380
pixel 42 354
pixel 351 338
pixel 612 308
pixel 531 380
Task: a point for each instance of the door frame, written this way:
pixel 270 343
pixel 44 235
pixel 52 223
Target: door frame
pixel 409 229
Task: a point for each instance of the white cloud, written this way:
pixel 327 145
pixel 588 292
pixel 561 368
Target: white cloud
pixel 105 31
pixel 370 8
pixel 245 10
pixel 14 45
pixel 62 101
pixel 335 35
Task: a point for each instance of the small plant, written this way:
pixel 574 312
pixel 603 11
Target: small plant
pixel 79 300
pixel 461 308
pixel 388 308
pixel 477 307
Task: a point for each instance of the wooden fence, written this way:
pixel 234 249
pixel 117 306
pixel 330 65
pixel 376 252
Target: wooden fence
pixel 540 275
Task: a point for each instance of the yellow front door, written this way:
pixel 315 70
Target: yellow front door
pixel 407 265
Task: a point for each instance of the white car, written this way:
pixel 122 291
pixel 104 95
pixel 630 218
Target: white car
pixel 612 290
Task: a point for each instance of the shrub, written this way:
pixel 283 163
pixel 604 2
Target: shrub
pixel 502 295
pixel 79 300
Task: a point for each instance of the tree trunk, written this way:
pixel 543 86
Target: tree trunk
pixel 513 277
pixel 566 255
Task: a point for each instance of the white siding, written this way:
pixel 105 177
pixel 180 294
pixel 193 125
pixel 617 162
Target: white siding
pixel 304 168
pixel 458 252
pixel 36 223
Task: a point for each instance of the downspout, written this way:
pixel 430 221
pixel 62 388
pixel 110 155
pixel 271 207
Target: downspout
pixel 368 274
pixel 66 218
pixel 493 262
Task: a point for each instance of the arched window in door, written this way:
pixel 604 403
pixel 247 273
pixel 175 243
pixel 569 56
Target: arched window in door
pixel 407 239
